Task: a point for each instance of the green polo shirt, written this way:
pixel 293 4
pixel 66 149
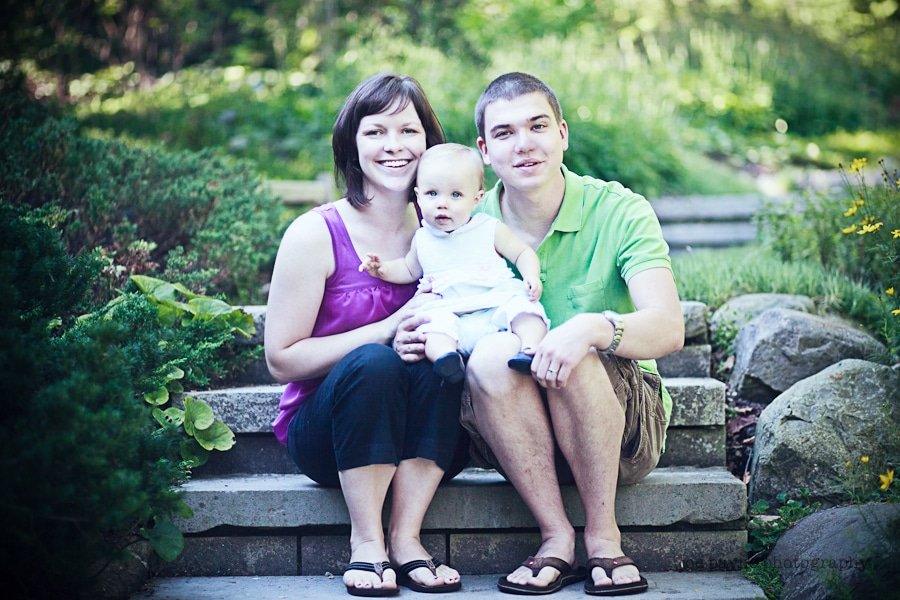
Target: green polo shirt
pixel 603 235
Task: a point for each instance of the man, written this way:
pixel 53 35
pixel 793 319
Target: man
pixel 593 411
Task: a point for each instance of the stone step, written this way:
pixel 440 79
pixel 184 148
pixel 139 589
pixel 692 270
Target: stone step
pixel 475 499
pixel 708 235
pixel 663 586
pixel 696 401
pixel 690 361
pixel 696 435
pixel 675 519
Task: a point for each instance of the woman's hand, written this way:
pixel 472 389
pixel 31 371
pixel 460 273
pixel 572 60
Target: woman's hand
pixel 409 343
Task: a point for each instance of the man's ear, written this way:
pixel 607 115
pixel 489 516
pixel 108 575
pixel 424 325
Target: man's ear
pixel 564 132
pixel 482 147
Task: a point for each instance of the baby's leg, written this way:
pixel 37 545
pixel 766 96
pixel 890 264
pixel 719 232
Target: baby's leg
pixel 530 328
pixel 438 344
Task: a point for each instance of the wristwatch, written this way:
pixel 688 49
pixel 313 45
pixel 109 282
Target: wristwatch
pixel 618 324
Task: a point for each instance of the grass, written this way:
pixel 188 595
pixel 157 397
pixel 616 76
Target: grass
pixel 766 576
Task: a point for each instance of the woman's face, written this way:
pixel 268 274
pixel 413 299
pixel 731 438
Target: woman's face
pixel 389 145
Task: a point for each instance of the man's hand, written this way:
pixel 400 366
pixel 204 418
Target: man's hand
pixel 561 350
pixel 371 264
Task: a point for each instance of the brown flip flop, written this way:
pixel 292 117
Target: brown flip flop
pixel 621 589
pixel 568 574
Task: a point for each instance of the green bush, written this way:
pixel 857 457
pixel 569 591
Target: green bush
pixel 87 470
pixel 141 205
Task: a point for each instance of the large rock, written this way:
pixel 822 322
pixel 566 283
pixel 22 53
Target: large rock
pixel 831 548
pixel 738 311
pixel 781 346
pixel 808 433
pixel 695 322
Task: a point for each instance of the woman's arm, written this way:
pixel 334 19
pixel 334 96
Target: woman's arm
pixel 303 263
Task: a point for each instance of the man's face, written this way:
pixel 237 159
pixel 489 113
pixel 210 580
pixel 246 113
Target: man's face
pixel 523 141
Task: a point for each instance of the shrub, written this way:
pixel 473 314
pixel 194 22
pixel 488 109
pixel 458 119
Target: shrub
pixel 87 470
pixel 140 204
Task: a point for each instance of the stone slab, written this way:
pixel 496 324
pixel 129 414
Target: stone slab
pixel 690 361
pixel 694 447
pixel 696 329
pixel 708 235
pixel 475 499
pixel 663 586
pixel 480 553
pixel 251 453
pixel 234 556
pixel 252 409
pixel 696 401
pixel 323 554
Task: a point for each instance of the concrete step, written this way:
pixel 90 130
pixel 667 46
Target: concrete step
pixel 663 585
pixel 475 499
pixel 696 435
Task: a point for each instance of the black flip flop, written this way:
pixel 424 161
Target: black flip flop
pixel 567 576
pixel 378 569
pixel 621 589
pixel 404 579
pixel 450 367
pixel 521 362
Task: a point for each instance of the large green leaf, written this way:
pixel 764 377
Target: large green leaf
pixel 170 416
pixel 217 437
pixel 193 453
pixel 157 397
pixel 197 415
pixel 166 539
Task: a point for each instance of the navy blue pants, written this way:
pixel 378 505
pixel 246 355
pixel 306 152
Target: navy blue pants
pixel 373 408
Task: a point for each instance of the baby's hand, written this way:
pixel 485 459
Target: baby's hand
pixel 371 264
pixel 535 288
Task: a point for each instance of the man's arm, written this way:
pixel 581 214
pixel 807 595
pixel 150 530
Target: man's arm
pixel 653 330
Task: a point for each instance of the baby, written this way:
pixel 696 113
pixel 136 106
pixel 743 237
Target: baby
pixel 461 257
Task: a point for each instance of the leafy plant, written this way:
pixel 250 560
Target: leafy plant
pixel 765 530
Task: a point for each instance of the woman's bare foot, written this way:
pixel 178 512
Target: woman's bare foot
pixel 404 550
pixel 370 552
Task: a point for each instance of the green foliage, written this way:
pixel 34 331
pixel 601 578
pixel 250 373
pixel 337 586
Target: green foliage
pixel 87 469
pixel 766 576
pixel 140 205
pixel 765 530
pixel 855 233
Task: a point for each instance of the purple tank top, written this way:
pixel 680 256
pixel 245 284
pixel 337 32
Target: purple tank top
pixel 351 299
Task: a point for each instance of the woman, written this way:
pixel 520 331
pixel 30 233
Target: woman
pixel 354 413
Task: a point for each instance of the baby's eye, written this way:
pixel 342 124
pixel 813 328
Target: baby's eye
pixel 431 193
pixel 456 195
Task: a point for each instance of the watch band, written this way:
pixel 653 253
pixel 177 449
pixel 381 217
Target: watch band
pixel 618 324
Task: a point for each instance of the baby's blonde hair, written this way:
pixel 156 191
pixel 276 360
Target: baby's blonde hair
pixel 456 151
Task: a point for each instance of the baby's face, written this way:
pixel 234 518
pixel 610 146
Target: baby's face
pixel 447 193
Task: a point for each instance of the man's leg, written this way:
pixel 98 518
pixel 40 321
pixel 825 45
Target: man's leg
pixel 512 419
pixel 588 422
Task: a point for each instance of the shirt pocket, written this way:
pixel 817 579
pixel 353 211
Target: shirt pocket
pixel 588 297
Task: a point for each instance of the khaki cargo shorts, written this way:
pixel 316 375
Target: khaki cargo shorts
pixel 645 423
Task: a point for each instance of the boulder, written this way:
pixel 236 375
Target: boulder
pixel 805 436
pixel 738 311
pixel 695 322
pixel 781 346
pixel 825 555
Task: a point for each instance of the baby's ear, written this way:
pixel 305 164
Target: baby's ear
pixel 479 196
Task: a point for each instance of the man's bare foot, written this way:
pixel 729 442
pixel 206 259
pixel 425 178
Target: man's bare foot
pixel 404 550
pixel 600 548
pixel 562 546
pixel 370 552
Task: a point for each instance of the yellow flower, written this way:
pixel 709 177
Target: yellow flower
pixel 889 291
pixel 864 459
pixel 867 220
pixel 857 165
pixel 895 234
pixel 850 211
pixel 869 228
pixel 860 202
pixel 850 229
pixel 887 479
pixel 895 312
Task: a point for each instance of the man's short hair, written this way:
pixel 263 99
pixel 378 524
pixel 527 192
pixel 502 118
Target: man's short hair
pixel 509 87
pixel 458 153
